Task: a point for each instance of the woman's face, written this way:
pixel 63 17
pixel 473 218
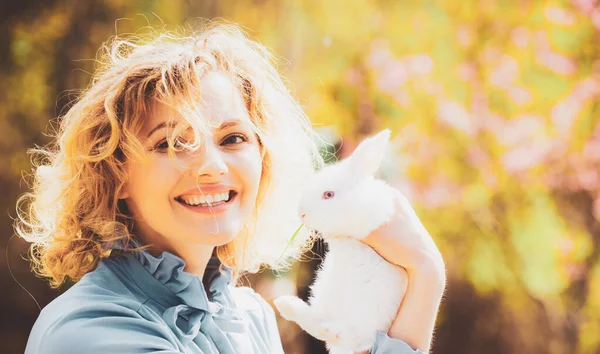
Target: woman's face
pixel 158 192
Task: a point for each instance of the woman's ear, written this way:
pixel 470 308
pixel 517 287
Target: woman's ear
pixel 123 192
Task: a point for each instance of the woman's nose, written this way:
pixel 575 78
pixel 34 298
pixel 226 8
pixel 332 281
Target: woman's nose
pixel 207 160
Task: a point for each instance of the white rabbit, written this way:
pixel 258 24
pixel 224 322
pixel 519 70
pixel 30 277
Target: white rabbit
pixel 356 292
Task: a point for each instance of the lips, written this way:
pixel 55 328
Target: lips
pixel 212 208
pixel 231 194
pixel 209 189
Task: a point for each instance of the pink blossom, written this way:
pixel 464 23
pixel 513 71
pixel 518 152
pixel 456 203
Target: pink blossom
pixel 556 62
pixel 596 208
pixel 549 59
pixel 520 36
pixel 519 129
pixel 559 16
pixel 591 150
pixel 477 157
pixel 380 53
pixel 431 87
pixel 392 76
pixel 565 246
pixel 455 115
pixel 480 105
pixel 489 178
pixel 588 179
pixel 520 95
pixel 558 148
pixel 575 271
pixel 586 89
pixel 584 6
pixel 490 54
pixel 406 187
pixel 554 180
pixel 466 71
pixel 506 73
pixel 419 64
pixel 402 98
pixel 492 122
pixel 353 76
pixel 524 157
pixel 438 195
pixel 464 35
pixel 565 112
pixel 596 18
pixel 596 67
pixel 542 42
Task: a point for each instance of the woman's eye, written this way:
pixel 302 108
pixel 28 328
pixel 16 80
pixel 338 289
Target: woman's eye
pixel 235 139
pixel 164 144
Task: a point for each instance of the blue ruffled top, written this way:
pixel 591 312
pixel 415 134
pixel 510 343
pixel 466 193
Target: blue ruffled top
pixel 134 302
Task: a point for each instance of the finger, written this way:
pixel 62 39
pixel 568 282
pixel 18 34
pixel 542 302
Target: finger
pixel 403 208
pixel 398 200
pixel 407 213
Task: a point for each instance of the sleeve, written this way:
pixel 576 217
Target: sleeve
pixel 384 344
pixel 272 328
pixel 109 328
pixel 269 328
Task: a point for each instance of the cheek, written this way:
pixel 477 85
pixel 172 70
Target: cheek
pixel 250 171
pixel 152 180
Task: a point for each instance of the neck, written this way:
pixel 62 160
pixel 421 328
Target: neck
pixel 195 256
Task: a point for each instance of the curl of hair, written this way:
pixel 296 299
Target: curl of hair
pixel 73 216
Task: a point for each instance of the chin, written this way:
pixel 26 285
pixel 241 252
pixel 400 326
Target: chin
pixel 209 239
pixel 220 241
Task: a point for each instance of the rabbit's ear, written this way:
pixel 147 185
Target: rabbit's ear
pixel 367 157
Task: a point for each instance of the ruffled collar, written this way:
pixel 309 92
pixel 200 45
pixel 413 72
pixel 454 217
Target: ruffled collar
pixel 188 310
pixel 190 289
pixel 168 269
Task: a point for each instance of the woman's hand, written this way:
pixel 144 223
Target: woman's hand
pixel 405 242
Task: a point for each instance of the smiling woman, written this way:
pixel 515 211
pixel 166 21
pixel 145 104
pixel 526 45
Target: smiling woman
pixel 163 192
pixel 178 169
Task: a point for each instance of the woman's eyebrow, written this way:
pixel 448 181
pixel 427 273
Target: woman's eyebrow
pixel 229 123
pixel 160 126
pixel 224 125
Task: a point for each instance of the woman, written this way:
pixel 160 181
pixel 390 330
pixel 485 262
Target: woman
pixel 175 171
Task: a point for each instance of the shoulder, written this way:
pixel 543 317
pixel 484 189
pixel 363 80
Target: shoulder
pixel 99 289
pixel 261 314
pixel 98 311
pixel 246 299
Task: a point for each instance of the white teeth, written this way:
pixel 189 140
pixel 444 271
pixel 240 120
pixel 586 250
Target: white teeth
pixel 201 199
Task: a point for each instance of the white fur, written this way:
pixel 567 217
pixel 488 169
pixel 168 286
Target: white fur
pixel 356 292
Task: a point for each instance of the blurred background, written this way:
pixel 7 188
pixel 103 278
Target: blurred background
pixel 493 107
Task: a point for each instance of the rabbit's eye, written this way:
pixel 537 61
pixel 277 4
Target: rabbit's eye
pixel 328 194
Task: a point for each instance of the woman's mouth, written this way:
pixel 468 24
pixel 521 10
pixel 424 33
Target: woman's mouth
pixel 206 201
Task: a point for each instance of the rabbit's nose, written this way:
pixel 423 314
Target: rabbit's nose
pixel 303 216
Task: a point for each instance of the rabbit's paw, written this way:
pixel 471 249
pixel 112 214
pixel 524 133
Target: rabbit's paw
pixel 329 332
pixel 289 306
pixel 336 350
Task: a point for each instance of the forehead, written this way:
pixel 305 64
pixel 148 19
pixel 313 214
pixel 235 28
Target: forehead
pixel 219 101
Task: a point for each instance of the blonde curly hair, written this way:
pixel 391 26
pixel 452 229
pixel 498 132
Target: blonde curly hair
pixel 73 216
